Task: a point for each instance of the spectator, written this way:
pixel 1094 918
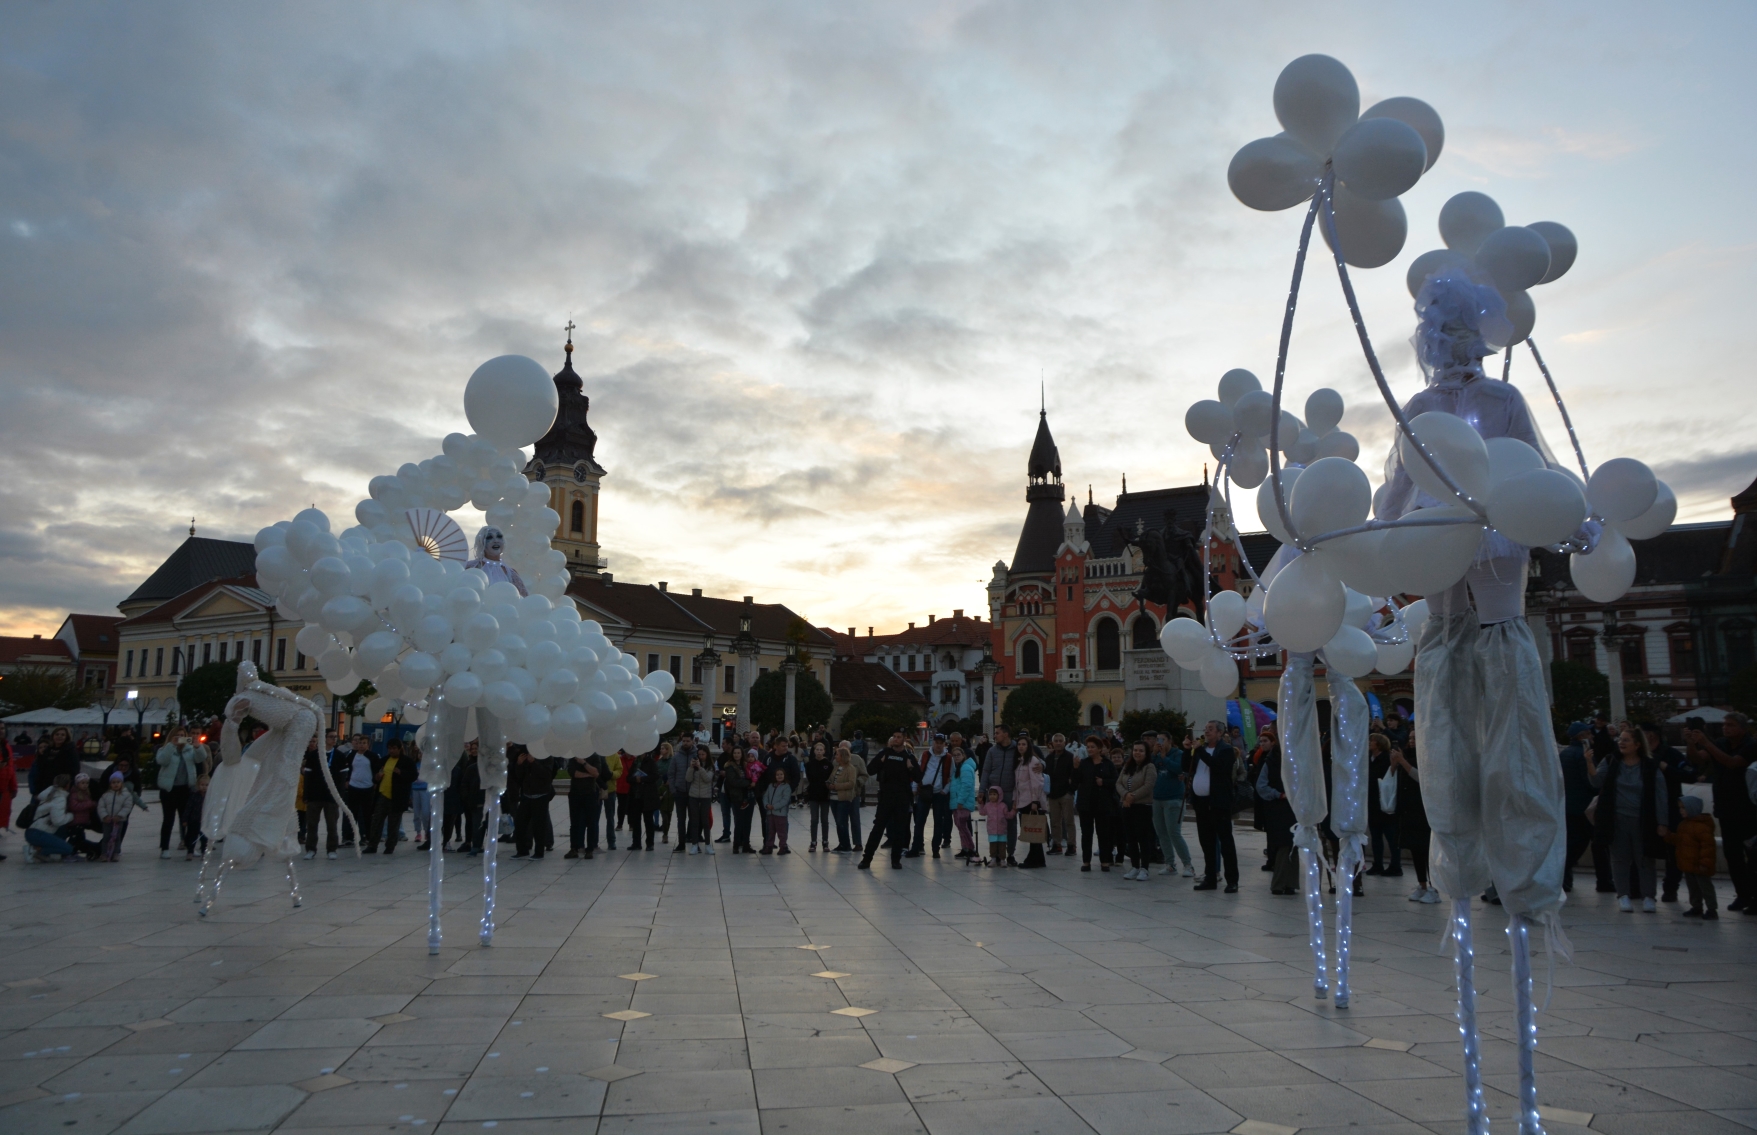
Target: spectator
pixel 1168 806
pixel 113 810
pixel 1381 825
pixel 646 785
pixel 1095 801
pixel 1059 763
pixel 1211 793
pixel 1134 789
pixel 735 781
pixel 319 804
pixel 962 798
pixel 362 770
pixel 844 787
pixel 420 805
pixel 59 757
pixel 931 793
pixel 1628 817
pixel 82 808
pixel 390 798
pixel 1029 796
pixel 192 817
pixel 586 776
pixel 467 777
pixel 8 787
pixel 1694 845
pixel 1276 813
pixel 1727 763
pixel 701 788
pixel 1412 821
pixel 897 771
pixel 997 820
pixel 531 783
pixel 619 802
pixel 51 822
pixel 179 766
pixel 1677 773
pixel 777 798
pixel 674 763
pixel 818 770
pixel 997 772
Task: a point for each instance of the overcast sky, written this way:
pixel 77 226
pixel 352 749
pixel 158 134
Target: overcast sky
pixel 821 256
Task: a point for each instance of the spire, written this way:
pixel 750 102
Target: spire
pixel 1046 460
pixel 571 438
pixel 1125 491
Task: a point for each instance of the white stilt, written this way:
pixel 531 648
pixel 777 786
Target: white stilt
pixel 1476 1116
pixel 435 876
pixel 293 884
pixel 1315 919
pixel 490 851
pixel 1344 924
pixel 1519 932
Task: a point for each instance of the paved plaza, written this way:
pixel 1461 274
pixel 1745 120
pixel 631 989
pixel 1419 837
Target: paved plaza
pixel 656 992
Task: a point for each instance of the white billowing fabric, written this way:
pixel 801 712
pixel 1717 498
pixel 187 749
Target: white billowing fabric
pixel 1302 758
pixel 227 788
pixel 490 751
pixel 1524 822
pixel 259 825
pixel 1349 723
pixel 1448 694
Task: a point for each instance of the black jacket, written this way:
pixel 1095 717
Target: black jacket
pixel 466 781
pixel 1605 818
pixel 1219 764
pixel 401 778
pixel 316 791
pixel 817 779
pixel 1095 787
pixel 535 781
pixel 1060 767
pixel 896 771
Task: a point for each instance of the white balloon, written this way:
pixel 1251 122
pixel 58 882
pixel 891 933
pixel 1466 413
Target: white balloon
pixel 455 659
pixel 420 671
pixel 1274 173
pixel 1380 158
pixel 662 681
pixel 542 657
pixel 1316 100
pixel 1331 494
pixel 1536 508
pixel 1208 421
pixel 1428 559
pixel 1417 115
pixel 1563 247
pixel 1359 561
pixel 646 697
pixel 1513 257
pixel 551 587
pixel 275 563
pixel 567 723
pixel 480 631
pixel 1267 513
pixel 1621 489
pixel 1359 608
pixel 557 686
pixel 1434 263
pixel 600 706
pixel 1339 443
pixel 335 664
pixel 1352 652
pixel 346 613
pixel 490 665
pixel 432 634
pixel 667 718
pixel 1238 382
pixel 514 647
pixel 534 720
pixel 302 543
pixel 502 699
pixel 1604 574
pixel 1509 457
pixel 1521 317
pixel 1323 410
pixel 1254 413
pixel 378 650
pixel 1371 233
pixel 1304 449
pixel 1185 641
pixel 1305 605
pixel 524 680
pixel 312 640
pixel 314 517
pixel 1394 657
pixel 1250 464
pixel 406 607
pixel 1415 616
pixel 376 708
pixel 1226 613
pixel 511 401
pixel 463 690
pixel 1466 220
pixel 1656 519
pixel 1219 673
pixel 1458 448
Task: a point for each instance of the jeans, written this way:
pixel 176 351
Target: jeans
pixel 777 831
pixel 680 806
pixel 421 804
pixel 701 819
pixel 1137 831
pixel 114 830
pixel 1579 836
pixel 820 819
pixel 532 831
pixel 47 843
pixel 1382 833
pixel 173 802
pixel 1214 832
pixel 725 818
pixel 1168 823
pixel 583 807
pixel 385 816
pixel 642 818
pixel 741 825
pixel 1702 895
pixel 891 819
pixel 1629 863
pixel 966 834
pixel 846 838
pixel 331 815
pixel 1103 826
pixel 1061 821
pixel 612 806
pixel 361 802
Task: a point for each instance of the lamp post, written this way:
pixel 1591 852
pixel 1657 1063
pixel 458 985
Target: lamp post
pixel 708 662
pixel 746 646
pixel 988 668
pixel 790 667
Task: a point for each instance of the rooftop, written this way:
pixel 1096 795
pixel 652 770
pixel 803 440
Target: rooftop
pixel 869 681
pixel 648 607
pixel 197 560
pixel 17 650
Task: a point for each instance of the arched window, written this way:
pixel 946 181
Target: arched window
pixel 1095 716
pixel 1110 651
pixel 1030 657
pixel 578 520
pixel 1145 633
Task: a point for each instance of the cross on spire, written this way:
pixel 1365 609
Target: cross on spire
pixel 569 330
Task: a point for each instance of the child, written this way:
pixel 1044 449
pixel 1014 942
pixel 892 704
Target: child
pixel 421 804
pixel 994 818
pixel 192 818
pixel 776 800
pixel 1694 844
pixel 114 808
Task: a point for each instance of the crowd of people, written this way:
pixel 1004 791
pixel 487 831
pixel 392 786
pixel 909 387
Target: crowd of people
pixel 1121 802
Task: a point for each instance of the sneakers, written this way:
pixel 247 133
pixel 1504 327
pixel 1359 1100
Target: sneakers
pixel 1431 897
pixel 1710 916
pixel 1647 906
pixel 1189 870
pixel 785 851
pixel 1170 870
pixel 164 853
pixel 707 849
pixel 332 855
pixel 1693 912
pixel 692 849
pixel 1420 894
pixel 572 853
pixel 1141 875
pixel 1624 905
pixel 813 846
pixel 311 855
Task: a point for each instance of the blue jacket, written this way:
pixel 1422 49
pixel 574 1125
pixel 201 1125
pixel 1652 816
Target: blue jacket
pixel 964 785
pixel 1170 784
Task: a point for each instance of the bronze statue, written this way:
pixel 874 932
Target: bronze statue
pixel 1171 567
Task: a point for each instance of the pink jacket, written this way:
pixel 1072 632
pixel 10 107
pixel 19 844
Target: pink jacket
pixel 1028 786
pixel 994 816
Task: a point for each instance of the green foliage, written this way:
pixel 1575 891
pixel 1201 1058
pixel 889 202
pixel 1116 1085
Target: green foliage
pixel 1648 703
pixel 685 715
pixel 1580 692
pixel 42 687
pixel 354 703
pixel 1138 721
pixel 768 700
pixel 1043 708
pixel 1743 691
pixel 877 720
pixel 205 690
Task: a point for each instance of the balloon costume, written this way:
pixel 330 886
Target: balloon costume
pixel 1470 487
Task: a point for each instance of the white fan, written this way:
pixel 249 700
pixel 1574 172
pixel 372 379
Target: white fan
pixel 438 534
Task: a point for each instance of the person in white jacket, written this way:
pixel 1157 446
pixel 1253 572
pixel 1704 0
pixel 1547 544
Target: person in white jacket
pixel 43 834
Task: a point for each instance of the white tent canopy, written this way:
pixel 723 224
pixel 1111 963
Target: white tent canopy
pixel 1707 713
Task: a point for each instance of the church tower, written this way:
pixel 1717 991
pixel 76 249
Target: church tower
pixel 564 460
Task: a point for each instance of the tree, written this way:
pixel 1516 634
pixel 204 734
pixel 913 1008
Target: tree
pixel 1580 692
pixel 768 700
pixel 877 720
pixel 1042 707
pixel 1742 691
pixel 685 715
pixel 42 687
pixel 1648 703
pixel 204 691
pixel 1168 721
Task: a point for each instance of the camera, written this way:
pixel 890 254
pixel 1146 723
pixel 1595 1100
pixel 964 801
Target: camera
pixel 1696 723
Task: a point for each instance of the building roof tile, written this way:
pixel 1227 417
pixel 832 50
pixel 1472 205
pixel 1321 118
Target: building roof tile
pixel 196 561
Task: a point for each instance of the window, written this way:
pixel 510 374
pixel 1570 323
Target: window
pixel 1633 650
pixel 1073 661
pixel 280 654
pixel 94 678
pixel 223 651
pixel 1683 649
pixel 256 651
pixel 677 667
pixel 652 663
pixel 731 679
pixel 1030 657
pixel 578 520
pixel 950 693
pixel 911 665
pixel 299 660
pixel 1110 650
pixel 1070 595
pixel 695 671
pixel 1095 716
pixel 761 670
pixel 1580 650
pixel 159 660
pixel 1144 635
pixel 207 653
pixel 128 665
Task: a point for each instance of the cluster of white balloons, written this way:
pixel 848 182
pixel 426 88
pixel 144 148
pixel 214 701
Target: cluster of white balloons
pixel 1377 156
pixel 391 602
pixel 1242 417
pixel 1510 258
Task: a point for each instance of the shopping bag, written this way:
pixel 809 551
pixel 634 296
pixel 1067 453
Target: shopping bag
pixel 1033 828
pixel 1388 793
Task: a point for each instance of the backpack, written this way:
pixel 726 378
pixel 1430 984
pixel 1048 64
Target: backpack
pixel 27 816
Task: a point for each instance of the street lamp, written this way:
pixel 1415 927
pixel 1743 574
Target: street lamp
pixel 745 644
pixel 988 668
pixel 708 663
pixel 790 666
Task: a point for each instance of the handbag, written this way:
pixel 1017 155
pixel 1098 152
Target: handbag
pixel 1388 793
pixel 1033 827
